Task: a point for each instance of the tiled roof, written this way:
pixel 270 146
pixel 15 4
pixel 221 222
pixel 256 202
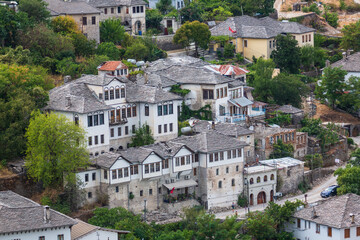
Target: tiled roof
pixel 112 66
pixel 148 94
pixel 350 64
pixel 289 109
pixel 14 200
pixel 81 229
pixel 334 212
pixel 80 97
pixel 229 129
pixel 60 7
pixel 99 80
pixel 264 28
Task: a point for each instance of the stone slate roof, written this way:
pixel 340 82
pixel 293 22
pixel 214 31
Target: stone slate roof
pixel 18 214
pixel 82 228
pixel 154 80
pixel 184 70
pixel 98 80
pixel 148 94
pixel 263 28
pixel 211 141
pixel 289 109
pixel 60 7
pixel 351 64
pixel 165 149
pixel 268 131
pixel 228 129
pixel 334 212
pixel 82 99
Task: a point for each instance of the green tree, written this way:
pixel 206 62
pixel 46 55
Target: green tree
pixel 35 9
pixel 111 30
pixel 262 80
pixel 193 32
pixel 279 118
pixel 67 66
pixel 350 100
pixel 153 18
pixel 17 55
pixel 314 161
pixel 281 150
pixel 164 6
pixel 332 18
pixel 137 51
pixel 142 137
pixel 291 91
pixel 351 36
pixel 108 49
pixel 22 90
pixel 332 85
pixel 229 50
pixel 260 226
pixel 356 155
pixel 191 12
pixel 287 54
pixel 64 25
pixel 348 179
pixel 83 46
pixel 252 7
pixel 90 64
pixel 55 149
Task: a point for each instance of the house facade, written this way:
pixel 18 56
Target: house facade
pixel 334 218
pixel 188 167
pixel 86 16
pixel 256 36
pixel 111 108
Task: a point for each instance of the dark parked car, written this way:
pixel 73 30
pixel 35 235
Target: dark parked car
pixel 330 191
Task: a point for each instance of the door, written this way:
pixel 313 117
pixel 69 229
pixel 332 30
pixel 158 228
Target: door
pixel 251 199
pixel 186 191
pixel 271 195
pixel 261 198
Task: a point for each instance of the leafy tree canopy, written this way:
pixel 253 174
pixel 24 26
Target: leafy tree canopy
pixel 262 80
pixel 64 25
pixel 142 137
pixel 164 6
pixel 108 49
pixel 35 9
pixel 348 179
pixel 55 149
pixel 281 150
pixel 351 36
pixel 111 30
pixel 153 18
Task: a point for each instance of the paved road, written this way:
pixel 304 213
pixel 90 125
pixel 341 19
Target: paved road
pixel 313 196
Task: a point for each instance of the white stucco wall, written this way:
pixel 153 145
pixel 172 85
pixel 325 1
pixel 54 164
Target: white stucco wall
pixel 49 234
pixel 100 234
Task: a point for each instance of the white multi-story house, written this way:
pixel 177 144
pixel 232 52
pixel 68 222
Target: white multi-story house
pixel 334 218
pixel 207 166
pixel 110 109
pixel 228 97
pixel 177 4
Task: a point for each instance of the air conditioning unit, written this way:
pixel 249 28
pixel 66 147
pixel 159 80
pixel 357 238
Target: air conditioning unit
pixel 167 181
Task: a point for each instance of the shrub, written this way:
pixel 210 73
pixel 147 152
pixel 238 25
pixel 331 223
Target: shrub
pixel 219 54
pixel 304 186
pixel 229 50
pixel 242 200
pixel 350 141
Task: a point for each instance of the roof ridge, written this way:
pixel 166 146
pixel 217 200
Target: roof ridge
pixel 347 196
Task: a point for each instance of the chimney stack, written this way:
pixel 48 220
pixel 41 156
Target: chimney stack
pixel 46 214
pixel 352 216
pixel 314 213
pixel 67 78
pixel 344 56
pixel 213 125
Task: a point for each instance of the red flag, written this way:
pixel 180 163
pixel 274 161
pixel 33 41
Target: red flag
pixel 172 190
pixel 231 30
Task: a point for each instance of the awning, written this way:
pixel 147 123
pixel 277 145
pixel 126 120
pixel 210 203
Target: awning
pixel 242 102
pixel 186 172
pixel 181 184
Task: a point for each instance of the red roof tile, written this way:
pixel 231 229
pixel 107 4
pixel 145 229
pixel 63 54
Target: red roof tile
pixel 112 66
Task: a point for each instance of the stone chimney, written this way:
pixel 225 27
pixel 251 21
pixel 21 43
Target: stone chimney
pixel 67 78
pixel 46 214
pixel 68 101
pixel 352 217
pixel 314 213
pixel 344 56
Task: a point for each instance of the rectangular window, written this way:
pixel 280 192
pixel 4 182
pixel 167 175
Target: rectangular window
pixel 126 172
pixel 270 44
pixel 94 176
pixel 134 9
pixel 117 189
pixel 146 110
pixel 245 43
pixel 111 132
pixel 42 238
pixel 138 9
pixel 86 177
pixel 309 37
pixel 112 10
pixel 90 141
pixel 133 129
pixel 117 93
pixel 216 157
pixel 93 20
pixel 111 94
pixel 317 228
pixel 123 113
pixel 347 233
pixel 229 154
pixel 134 169
pixel 182 161
pixel 165 163
pixel 158 167
pixel 106 95
pixel 221 155
pixel 329 232
pixel 150 191
pixel 128 112
pixel 105 10
pixel 298 223
pixel 303 38
pixel 177 161
pixel 221 93
pixel 165 128
pixel 234 153
pixel 60 237
pixel 90 121
pixel 211 157
pixel 239 152
pixel 134 111
pixel 217 94
pixel 147 168
pixel 208 94
pixel 119 131
pixel 119 9
pixel 96 140
pixel 165 107
pixel 84 20
pixel 171 108
pixel 122 92
pixel 171 127
pixel 114 176
pixel 188 159
pixel 105 174
pixel 225 92
pixel 159 128
pixel 194 171
pixel 196 157
pixel 101 118
pixel 152 168
pixel 159 110
pixel 126 130
pixel 120 173
pixel 100 96
pixel 142 9
pixel 141 193
pixel 96 120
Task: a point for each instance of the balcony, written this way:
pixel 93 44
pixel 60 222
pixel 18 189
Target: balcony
pixel 236 118
pixel 117 121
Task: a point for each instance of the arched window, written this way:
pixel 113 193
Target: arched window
pixel 146 109
pixel 123 112
pixel 120 147
pixel 258 179
pixel 111 93
pixel 134 110
pixel 122 92
pixel 118 114
pixel 233 182
pixel 220 184
pixel 111 149
pixel 251 181
pixel 272 177
pixel 128 114
pixel 106 92
pixel 117 92
pixel 265 178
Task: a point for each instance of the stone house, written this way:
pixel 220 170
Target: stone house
pixel 290 172
pixel 334 218
pixel 260 184
pixel 301 147
pixel 225 95
pixel 207 166
pixel 110 109
pixel 86 16
pixel 256 36
pixel 296 114
pixel 171 23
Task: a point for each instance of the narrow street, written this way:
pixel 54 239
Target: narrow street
pixel 313 196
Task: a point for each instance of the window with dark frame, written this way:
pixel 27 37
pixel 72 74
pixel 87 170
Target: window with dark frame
pixel 84 20
pixel 111 132
pixel 117 93
pixel 96 140
pixel 119 131
pixel 165 128
pixel 170 127
pixel 347 233
pixel 112 10
pixel 119 9
pixel 105 174
pixel 86 177
pixel 90 141
pixel 159 128
pixel 105 10
pixel 126 130
pixel 93 20
pixel 94 176
pixel 146 110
